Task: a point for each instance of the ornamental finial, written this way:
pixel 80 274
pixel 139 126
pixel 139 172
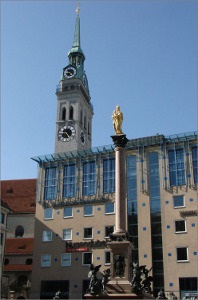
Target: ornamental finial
pixel 78 8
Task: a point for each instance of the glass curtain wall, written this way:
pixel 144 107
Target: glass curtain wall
pixel 156 231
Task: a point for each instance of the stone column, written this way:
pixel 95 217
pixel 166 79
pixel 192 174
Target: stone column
pixel 120 142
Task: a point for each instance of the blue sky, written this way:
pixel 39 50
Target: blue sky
pixel 141 55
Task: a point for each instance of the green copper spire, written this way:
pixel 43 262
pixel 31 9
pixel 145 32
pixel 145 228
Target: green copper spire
pixel 76 49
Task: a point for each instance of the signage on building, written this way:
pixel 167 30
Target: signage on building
pixel 84 246
pixel 188 213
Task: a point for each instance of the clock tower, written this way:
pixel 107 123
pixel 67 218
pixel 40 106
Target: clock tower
pixel 74 108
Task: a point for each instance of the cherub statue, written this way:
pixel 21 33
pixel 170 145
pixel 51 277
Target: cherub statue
pixel 94 282
pixel 105 278
pixel 117 120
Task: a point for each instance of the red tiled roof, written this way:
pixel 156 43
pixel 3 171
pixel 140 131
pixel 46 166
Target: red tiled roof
pixel 17 267
pixel 19 195
pixel 19 246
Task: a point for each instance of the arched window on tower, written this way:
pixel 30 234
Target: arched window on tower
pixel 85 122
pixel 81 116
pixel 64 113
pixel 71 113
pixel 88 128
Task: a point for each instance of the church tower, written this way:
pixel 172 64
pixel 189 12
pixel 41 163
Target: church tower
pixel 74 108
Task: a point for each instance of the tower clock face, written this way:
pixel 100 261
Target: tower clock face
pixel 66 133
pixel 69 72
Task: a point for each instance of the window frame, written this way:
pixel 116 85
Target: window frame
pixel 83 255
pixel 187 255
pixel 88 238
pixel 67 239
pixel 112 212
pixel 50 184
pixel 69 216
pixel 109 175
pixel 48 218
pixel 89 178
pixel 46 266
pixel 69 180
pixel 184 231
pixel 177 196
pixel 91 214
pixel 43 237
pixel 177 169
pixel 105 229
pixel 105 258
pixel 69 255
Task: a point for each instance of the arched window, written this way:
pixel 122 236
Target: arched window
pixel 81 117
pixel 88 128
pixel 64 113
pixel 71 113
pixel 19 231
pixel 85 122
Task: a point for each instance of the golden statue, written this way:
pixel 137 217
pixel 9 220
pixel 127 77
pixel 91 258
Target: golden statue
pixel 117 120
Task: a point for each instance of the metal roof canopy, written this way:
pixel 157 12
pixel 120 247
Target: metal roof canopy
pixel 132 144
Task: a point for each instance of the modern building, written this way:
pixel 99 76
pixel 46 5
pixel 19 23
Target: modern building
pixel 75 211
pixel 19 196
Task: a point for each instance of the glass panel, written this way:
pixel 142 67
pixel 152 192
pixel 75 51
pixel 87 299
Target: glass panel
pixel 89 178
pixel 180 226
pixel 178 201
pixel 109 175
pixel 67 234
pixel 88 210
pixel 182 254
pixel 176 167
pixel 87 258
pixel 109 208
pixel 195 163
pixel 69 181
pixel 47 235
pixel 66 260
pixel 48 213
pixel 68 212
pixel 88 233
pixel 50 184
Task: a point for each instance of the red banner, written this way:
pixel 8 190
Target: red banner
pixel 82 249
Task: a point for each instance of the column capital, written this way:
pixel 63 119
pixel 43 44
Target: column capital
pixel 119 140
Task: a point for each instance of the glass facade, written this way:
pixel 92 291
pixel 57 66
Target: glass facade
pixel 132 203
pixel 156 231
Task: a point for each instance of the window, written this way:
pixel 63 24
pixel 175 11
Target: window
pixel 85 122
pixel 89 178
pixel 195 163
pixel 47 235
pixel 182 254
pixel 69 180
pixel 2 236
pixel 88 233
pixel 86 258
pixel 19 231
pixel 64 113
pixel 67 234
pixel 176 167
pixel 178 201
pixel 108 230
pixel 88 210
pixel 2 218
pixel 81 116
pixel 68 212
pixel 29 261
pixel 45 260
pixel 109 208
pixel 109 175
pixel 66 259
pixel 50 184
pixel 107 258
pixel 180 226
pixel 48 213
pixel 71 113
